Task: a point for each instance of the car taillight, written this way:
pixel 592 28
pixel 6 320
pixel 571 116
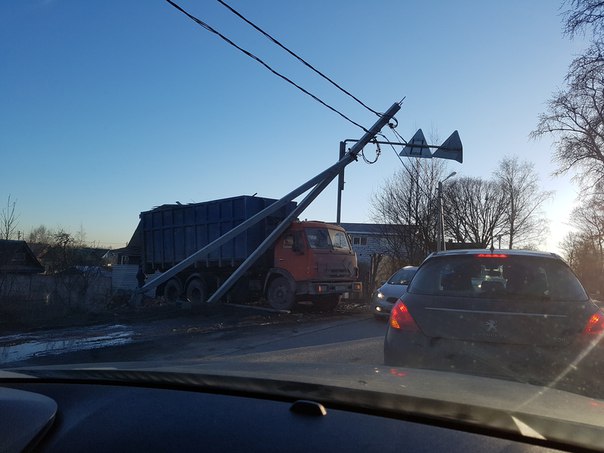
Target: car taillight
pixel 401 319
pixel 595 325
pixel 491 255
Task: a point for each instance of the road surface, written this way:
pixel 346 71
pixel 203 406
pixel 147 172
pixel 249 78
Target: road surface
pixel 238 335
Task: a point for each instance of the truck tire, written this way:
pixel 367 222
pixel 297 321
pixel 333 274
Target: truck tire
pixel 280 294
pixel 172 290
pixel 196 291
pixel 326 302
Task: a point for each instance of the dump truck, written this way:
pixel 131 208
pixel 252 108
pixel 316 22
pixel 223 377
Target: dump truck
pixel 311 261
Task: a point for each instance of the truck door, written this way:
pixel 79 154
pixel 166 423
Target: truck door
pixel 291 254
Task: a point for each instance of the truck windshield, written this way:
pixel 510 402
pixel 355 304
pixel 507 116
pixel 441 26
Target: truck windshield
pixel 325 238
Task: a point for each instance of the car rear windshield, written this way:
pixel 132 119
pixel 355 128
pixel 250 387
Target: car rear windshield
pixel 525 277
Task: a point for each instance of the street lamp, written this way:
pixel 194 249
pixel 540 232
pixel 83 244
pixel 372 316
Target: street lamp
pixel 441 216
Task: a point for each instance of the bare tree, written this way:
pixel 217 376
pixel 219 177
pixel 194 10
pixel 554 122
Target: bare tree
pixel 584 248
pixel 80 237
pixel 41 235
pixel 8 220
pixel 40 240
pixel 474 210
pixel 407 204
pixel 570 246
pixel 575 114
pixel 582 15
pixel 524 221
pixel 575 117
pixel 588 218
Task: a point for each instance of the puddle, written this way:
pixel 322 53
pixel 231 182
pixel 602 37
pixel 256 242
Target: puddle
pixel 15 348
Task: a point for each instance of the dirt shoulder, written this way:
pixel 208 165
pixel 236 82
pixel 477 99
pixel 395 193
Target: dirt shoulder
pixel 222 314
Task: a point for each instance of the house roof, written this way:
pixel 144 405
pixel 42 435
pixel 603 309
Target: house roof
pixel 17 257
pixel 370 228
pixel 134 247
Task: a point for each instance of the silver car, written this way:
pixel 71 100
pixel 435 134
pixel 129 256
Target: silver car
pixel 386 295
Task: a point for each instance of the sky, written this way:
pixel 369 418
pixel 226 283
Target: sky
pixel 110 108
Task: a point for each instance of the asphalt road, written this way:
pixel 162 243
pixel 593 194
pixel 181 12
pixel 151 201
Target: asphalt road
pixel 234 333
pixel 229 334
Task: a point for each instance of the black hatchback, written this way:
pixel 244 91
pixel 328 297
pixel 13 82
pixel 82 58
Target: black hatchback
pixel 519 314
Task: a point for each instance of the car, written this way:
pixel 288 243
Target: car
pixel 516 314
pixel 386 295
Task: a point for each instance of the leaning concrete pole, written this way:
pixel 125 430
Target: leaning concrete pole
pixel 328 176
pixel 319 182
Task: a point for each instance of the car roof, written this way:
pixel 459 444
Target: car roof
pixel 508 252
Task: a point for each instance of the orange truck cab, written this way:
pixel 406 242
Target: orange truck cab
pixel 313 261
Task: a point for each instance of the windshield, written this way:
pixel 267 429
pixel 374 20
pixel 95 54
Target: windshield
pixel 230 183
pixel 402 277
pixel 324 238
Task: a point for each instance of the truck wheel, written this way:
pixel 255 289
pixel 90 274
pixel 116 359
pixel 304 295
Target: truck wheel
pixel 196 292
pixel 280 295
pixel 326 302
pixel 172 290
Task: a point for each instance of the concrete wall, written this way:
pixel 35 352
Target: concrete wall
pixel 31 298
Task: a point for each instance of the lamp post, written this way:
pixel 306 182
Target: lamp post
pixel 441 216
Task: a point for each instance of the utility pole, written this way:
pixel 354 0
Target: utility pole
pixel 417 147
pixel 440 234
pixel 340 184
pixel 317 184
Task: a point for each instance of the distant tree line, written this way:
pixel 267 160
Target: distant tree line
pixel 57 250
pixel 503 210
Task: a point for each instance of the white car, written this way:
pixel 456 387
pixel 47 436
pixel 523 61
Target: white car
pixel 386 296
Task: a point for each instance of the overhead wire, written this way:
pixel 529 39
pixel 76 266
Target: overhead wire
pixel 293 54
pixel 378 151
pixel 257 59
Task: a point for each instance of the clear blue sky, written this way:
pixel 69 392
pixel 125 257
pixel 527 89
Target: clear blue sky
pixel 109 108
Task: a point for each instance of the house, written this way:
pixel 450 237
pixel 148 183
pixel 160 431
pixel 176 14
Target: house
pixel 369 239
pixel 17 258
pixel 372 243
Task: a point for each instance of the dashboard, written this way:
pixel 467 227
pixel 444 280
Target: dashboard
pixel 68 416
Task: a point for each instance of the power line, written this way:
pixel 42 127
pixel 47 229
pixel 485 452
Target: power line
pixel 293 54
pixel 254 57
